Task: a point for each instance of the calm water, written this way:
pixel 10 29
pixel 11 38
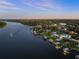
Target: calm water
pixel 17 42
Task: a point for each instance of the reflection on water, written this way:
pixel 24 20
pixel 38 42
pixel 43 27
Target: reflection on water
pixel 17 42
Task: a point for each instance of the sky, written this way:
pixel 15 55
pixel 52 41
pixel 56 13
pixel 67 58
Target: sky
pixel 39 9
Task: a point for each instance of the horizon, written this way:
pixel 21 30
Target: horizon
pixel 39 9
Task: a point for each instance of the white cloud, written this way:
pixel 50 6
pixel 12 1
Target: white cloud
pixel 2 2
pixel 43 4
pixel 7 5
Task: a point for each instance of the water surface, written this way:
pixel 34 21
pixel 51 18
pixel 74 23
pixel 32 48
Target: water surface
pixel 18 42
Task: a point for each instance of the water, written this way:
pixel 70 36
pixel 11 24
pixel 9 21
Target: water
pixel 17 42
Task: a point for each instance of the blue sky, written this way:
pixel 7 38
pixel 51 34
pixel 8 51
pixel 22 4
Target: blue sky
pixel 39 9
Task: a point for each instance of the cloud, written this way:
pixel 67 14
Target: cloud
pixel 4 4
pixel 5 7
pixel 43 4
pixel 65 16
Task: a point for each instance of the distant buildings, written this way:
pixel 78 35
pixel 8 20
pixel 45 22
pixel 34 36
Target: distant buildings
pixel 60 36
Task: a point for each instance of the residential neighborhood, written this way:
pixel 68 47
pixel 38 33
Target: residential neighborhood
pixel 60 35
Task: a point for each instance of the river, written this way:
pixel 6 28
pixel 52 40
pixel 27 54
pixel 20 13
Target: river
pixel 18 42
